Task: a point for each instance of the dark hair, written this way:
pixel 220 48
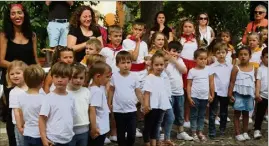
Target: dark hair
pixel 203 13
pixel 264 51
pixel 175 45
pixel 34 75
pixel 77 69
pixel 75 18
pixel 226 31
pixel 61 69
pixel 123 55
pixel 139 22
pixel 26 27
pixel 57 53
pixel 197 33
pixel 156 24
pixel 98 68
pixel 245 48
pixel 198 52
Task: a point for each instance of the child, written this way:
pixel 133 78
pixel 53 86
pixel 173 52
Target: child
pixel 61 54
pixel 122 98
pixel 156 100
pixel 174 70
pixel 220 78
pixel 30 103
pixel 226 38
pixel 15 78
pixel 253 41
pixel 158 42
pixel 93 46
pixel 190 40
pixel 198 93
pixel 241 92
pixel 261 93
pixel 100 73
pixel 58 109
pixel 111 50
pixel 82 98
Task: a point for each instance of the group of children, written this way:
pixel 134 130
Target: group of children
pixel 172 82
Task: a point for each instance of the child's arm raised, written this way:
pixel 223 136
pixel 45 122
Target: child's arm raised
pixel 47 83
pixel 232 81
pixel 94 130
pixel 189 84
pixel 42 129
pixel 110 95
pixel 179 66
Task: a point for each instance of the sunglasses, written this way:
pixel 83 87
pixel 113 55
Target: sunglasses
pixel 203 18
pixel 258 12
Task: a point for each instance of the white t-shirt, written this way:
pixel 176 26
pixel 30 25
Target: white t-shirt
pixel 82 99
pixel 188 49
pixel 30 104
pixel 129 45
pixel 262 75
pixel 110 56
pixel 222 74
pixel 159 98
pixel 206 35
pixel 175 78
pixel 60 110
pixel 99 100
pixel 200 82
pixel 124 98
pixel 14 96
pixel 167 84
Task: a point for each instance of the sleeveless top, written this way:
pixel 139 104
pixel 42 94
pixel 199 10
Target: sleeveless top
pixel 245 82
pixel 206 35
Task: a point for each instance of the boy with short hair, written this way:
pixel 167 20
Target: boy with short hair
pixel 123 94
pixel 93 46
pixel 30 103
pixel 113 47
pixel 58 109
pixel 174 70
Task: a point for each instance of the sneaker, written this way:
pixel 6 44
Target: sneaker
pixel 240 137
pixel 250 120
pixel 138 134
pixel 206 121
pixel 184 136
pixel 161 137
pixel 187 124
pixel 113 138
pixel 228 119
pixel 257 134
pixel 195 138
pixel 246 136
pixel 217 122
pixel 107 141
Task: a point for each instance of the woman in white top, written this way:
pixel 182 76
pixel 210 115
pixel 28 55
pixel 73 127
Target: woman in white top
pixel 207 34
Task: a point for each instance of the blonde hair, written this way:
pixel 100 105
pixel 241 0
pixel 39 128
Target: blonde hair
pixel 16 63
pixel 258 36
pixel 92 59
pixel 114 28
pixel 34 75
pixel 97 44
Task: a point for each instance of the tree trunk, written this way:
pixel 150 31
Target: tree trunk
pixel 148 12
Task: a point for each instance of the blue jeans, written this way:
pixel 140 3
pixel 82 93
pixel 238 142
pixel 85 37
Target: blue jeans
pixel 213 109
pixel 80 139
pixel 198 114
pixel 30 141
pixel 168 121
pixel 19 137
pixel 178 107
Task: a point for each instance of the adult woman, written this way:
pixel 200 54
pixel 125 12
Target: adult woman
pixel 207 34
pixel 18 42
pixel 82 28
pixel 160 25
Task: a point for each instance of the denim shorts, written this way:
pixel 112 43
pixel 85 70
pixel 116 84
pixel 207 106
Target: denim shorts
pixel 243 102
pixel 57 33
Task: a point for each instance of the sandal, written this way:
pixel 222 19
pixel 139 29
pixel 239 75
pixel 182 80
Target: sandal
pixel 159 143
pixel 202 137
pixel 169 143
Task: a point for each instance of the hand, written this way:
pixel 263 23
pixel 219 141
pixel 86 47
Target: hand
pixel 146 109
pixel 192 103
pixel 21 129
pixel 232 99
pixel 47 142
pixel 258 98
pixel 94 133
pixel 137 38
pixel 210 99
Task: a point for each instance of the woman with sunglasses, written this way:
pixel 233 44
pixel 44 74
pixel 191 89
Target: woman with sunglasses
pixel 207 34
pixel 259 16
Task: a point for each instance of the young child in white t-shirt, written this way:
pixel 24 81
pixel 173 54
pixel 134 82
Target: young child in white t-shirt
pixel 82 98
pixel 30 103
pixel 198 94
pixel 100 74
pixel 15 79
pixel 156 100
pixel 124 93
pixel 58 109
